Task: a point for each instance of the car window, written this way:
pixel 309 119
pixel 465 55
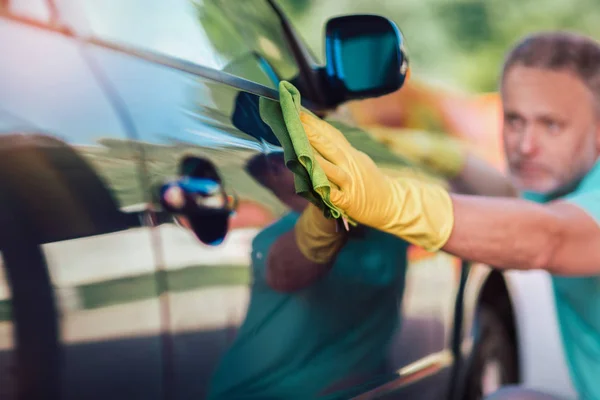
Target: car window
pixel 262 31
pixel 38 10
pixel 242 38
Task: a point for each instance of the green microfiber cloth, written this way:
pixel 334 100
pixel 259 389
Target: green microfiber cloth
pixel 309 178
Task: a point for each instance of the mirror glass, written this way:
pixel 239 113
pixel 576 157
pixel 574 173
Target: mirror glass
pixel 365 55
pixel 369 61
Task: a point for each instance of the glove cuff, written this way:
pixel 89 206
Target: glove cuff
pixel 317 237
pixel 426 217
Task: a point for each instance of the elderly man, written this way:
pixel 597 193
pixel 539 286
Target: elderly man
pixel 550 91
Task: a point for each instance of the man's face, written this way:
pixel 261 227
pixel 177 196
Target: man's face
pixel 551 131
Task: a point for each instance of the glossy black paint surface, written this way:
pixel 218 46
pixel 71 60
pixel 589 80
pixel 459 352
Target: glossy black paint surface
pixel 107 293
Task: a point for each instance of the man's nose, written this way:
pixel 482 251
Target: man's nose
pixel 529 141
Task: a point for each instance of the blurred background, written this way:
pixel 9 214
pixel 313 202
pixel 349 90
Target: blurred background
pixel 456 50
pixel 455 44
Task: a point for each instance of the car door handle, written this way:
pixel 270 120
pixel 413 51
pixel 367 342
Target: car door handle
pixel 192 196
pixel 198 200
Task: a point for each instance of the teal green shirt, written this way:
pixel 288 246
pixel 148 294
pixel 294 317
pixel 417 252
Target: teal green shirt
pixel 297 345
pixel 578 301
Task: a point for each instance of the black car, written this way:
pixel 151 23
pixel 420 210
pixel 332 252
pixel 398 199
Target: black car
pixel 111 290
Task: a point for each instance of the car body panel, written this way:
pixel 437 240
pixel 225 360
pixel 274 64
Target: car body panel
pixel 542 362
pixel 542 358
pixel 79 184
pixel 204 128
pixel 146 309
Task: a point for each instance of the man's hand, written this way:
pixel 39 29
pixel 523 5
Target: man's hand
pixel 318 238
pixel 418 212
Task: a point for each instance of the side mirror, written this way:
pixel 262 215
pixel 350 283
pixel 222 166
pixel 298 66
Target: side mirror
pixel 365 57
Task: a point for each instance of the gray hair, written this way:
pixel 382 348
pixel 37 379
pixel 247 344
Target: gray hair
pixel 559 51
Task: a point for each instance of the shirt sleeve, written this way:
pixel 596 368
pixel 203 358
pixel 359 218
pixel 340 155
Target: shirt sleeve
pixel 589 201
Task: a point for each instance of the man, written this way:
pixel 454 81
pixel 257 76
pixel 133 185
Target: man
pixel 550 91
pixel 312 332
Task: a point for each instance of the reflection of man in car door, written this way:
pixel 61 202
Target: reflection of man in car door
pixel 550 93
pixel 322 323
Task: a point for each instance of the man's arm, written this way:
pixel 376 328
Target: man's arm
pixel 478 177
pixel 559 237
pixel 303 255
pixel 446 155
pixel 288 269
pixel 505 233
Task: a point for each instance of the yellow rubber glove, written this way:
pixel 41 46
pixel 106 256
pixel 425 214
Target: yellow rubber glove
pixel 442 153
pixel 418 212
pixel 318 238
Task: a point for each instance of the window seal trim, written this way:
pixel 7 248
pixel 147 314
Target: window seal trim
pixel 36 23
pixel 161 59
pixel 194 69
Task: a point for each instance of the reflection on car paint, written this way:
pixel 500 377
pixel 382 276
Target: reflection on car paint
pixel 123 333
pixel 81 183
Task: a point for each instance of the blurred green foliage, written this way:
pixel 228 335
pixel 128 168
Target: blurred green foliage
pixel 239 28
pixel 459 43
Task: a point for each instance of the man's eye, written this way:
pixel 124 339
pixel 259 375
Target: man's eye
pixel 553 127
pixel 513 122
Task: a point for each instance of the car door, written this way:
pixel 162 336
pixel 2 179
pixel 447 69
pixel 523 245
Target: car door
pixel 191 76
pixel 180 108
pixel 73 326
pixel 422 344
